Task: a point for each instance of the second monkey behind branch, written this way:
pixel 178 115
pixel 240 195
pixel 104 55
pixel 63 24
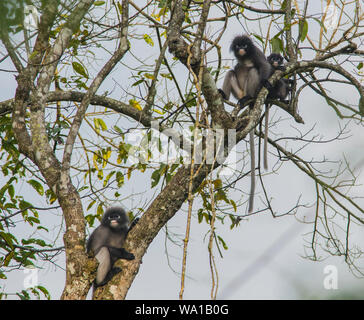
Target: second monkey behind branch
pixel 279 91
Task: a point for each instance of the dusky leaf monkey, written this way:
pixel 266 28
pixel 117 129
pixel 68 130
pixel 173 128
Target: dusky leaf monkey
pixel 106 243
pixel 280 91
pixel 249 75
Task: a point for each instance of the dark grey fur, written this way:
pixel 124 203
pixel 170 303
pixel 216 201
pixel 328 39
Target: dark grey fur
pixel 106 243
pixel 279 91
pixel 249 75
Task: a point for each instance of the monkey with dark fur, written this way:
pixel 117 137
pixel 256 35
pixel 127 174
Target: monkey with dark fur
pixel 249 75
pixel 280 91
pixel 106 243
pixel 282 87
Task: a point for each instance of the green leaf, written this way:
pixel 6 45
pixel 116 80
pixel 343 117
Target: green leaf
pixel 7 259
pixel 8 238
pixel 221 240
pixel 32 220
pixel 24 296
pixel 120 7
pixel 100 174
pixel 78 67
pixel 24 205
pixel 37 186
pixel 102 124
pixel 277 45
pixel 137 83
pixel 83 188
pixel 148 40
pixel 118 130
pixel 167 75
pixel 259 38
pixel 100 210
pixel 108 178
pixel 90 205
pixel 44 291
pixel 119 179
pixel 135 104
pixel 149 76
pixel 155 178
pixel 42 228
pixel 39 242
pixel 232 202
pixel 90 218
pixel 99 123
pixel 303 27
pixel 200 215
pixel 11 191
pixel 284 5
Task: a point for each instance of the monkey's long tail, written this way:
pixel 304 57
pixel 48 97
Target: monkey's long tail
pixel 252 170
pixel 265 147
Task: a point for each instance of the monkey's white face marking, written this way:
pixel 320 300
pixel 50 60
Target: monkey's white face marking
pixel 114 223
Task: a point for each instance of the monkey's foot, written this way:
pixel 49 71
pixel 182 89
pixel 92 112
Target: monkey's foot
pixel 134 222
pixel 110 274
pixel 267 85
pixel 243 101
pixel 129 256
pixel 222 93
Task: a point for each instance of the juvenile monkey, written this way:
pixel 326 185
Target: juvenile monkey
pixel 279 91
